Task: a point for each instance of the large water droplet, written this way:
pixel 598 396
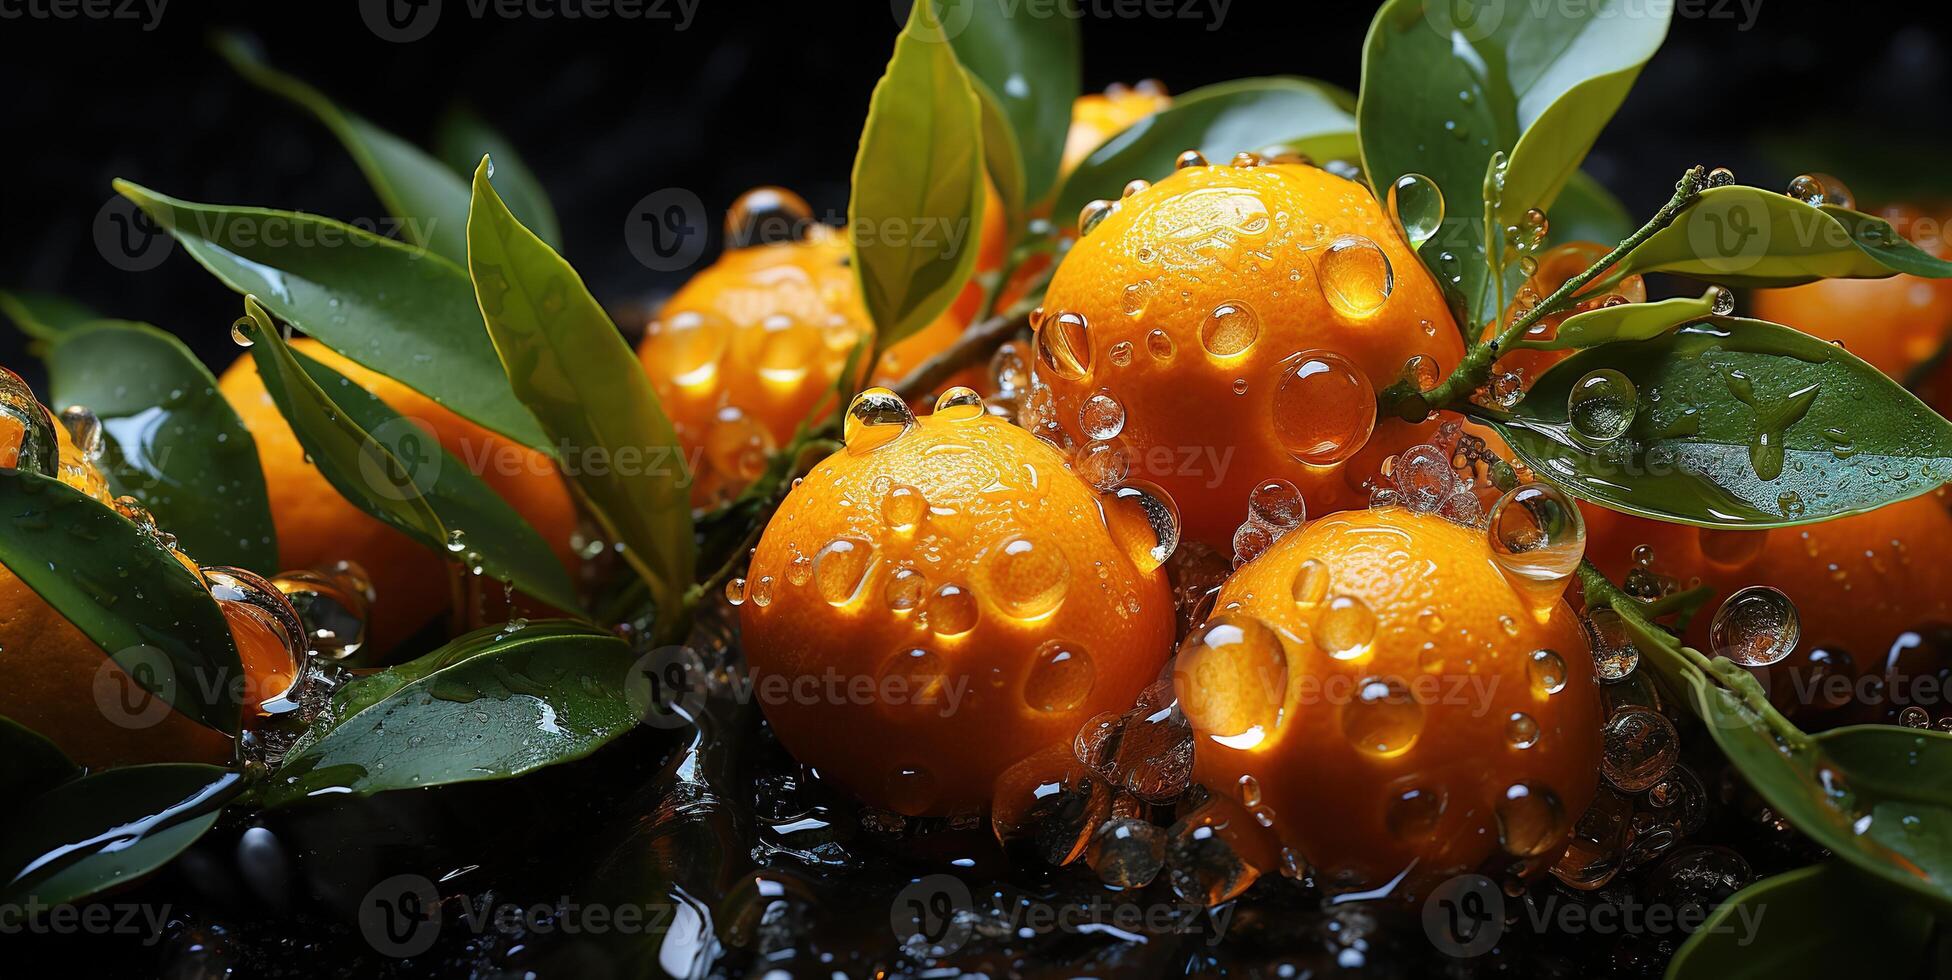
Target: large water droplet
pixel 1601 406
pixel 1101 416
pixel 1064 346
pixel 1383 718
pixel 1755 627
pixel 1418 207
pixel 1143 518
pixel 903 507
pixel 1637 747
pixel 951 611
pixel 1231 676
pixel 839 568
pixel 1230 329
pixel 1536 534
pixel 959 404
pixel 1346 629
pixel 765 216
pixel 1324 407
pixel 1060 677
pixel 1531 819
pixel 1356 276
pixel 875 418
pixel 1026 578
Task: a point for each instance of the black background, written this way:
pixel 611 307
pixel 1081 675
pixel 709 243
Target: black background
pixel 607 111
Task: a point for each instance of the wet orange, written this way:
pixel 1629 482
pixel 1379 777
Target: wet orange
pixel 754 344
pixel 1860 584
pixel 317 527
pixel 1895 323
pixel 1240 318
pixel 1384 697
pixel 53 678
pixel 1098 117
pixel 943 599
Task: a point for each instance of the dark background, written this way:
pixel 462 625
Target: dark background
pixel 748 93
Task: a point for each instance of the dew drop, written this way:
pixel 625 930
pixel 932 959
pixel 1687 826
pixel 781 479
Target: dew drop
pixel 1276 504
pixel 1231 676
pixel 951 611
pixel 1547 672
pixel 1143 518
pixel 1521 730
pixel 875 418
pixel 1324 408
pixel 1383 718
pixel 1637 748
pixel 1346 629
pixel 1311 583
pixel 1530 819
pixel 1060 677
pixel 959 404
pixel 1601 406
pixel 1160 345
pixel 1413 814
pixel 839 568
pixel 1417 205
pixel 1230 329
pixel 1026 578
pixel 1064 346
pixel 1356 276
pixel 905 589
pixel 904 507
pixel 1755 627
pixel 1102 416
pixel 1536 534
pixel 1614 654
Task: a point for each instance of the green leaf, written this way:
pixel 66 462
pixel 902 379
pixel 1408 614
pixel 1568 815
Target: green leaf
pixel 43 316
pixel 1587 212
pixel 464 138
pixel 1447 86
pixel 108 829
pixel 1746 236
pixel 30 764
pixel 1002 159
pixel 406 313
pixel 571 367
pixel 1879 797
pixel 1740 424
pixel 124 591
pixel 1030 64
pixel 1628 321
pixel 493 704
pixel 171 440
pixel 1219 121
pixel 917 205
pixel 1819 921
pixel 430 201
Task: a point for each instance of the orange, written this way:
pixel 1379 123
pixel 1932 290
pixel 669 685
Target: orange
pixel 943 599
pixel 53 677
pixel 1096 118
pixel 1229 325
pixel 1895 323
pixel 1384 697
pixel 317 527
pixel 754 344
pixel 1865 586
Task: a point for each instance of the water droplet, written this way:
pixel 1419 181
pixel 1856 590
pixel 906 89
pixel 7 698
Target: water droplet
pixel 1103 463
pixel 735 591
pixel 85 430
pixel 875 418
pixel 687 346
pixel 1324 408
pixel 1413 814
pixel 1064 346
pixel 1026 578
pixel 241 331
pixel 905 589
pixel 765 216
pixel 1424 477
pixel 1417 205
pixel 1060 677
pixel 1521 730
pixel 1134 186
pixel 1346 628
pixel 1092 214
pixel 1190 158
pixel 1536 534
pixel 799 570
pixel 904 507
pixel 1819 188
pixel 1231 676
pixel 1311 583
pixel 1137 296
pixel 1101 416
pixel 1637 748
pixel 1383 718
pixel 1721 300
pixel 1755 627
pixel 1277 504
pixel 922 676
pixel 1356 276
pixel 738 446
pixel 1601 406
pixel 959 404
pixel 1160 345
pixel 1547 671
pixel 1531 819
pixel 1230 329
pixel 1144 519
pixel 839 568
pixel 1614 654
pixel 951 611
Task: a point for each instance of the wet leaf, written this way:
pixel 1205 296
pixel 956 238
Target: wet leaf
pixel 330 412
pixel 1790 926
pixel 1740 423
pixel 917 205
pixel 1878 797
pixel 43 316
pixel 406 313
pixel 1219 121
pixel 1587 212
pixel 430 201
pixel 124 591
pixel 1746 236
pixel 1030 65
pixel 1445 86
pixel 464 138
pixel 171 439
pixel 108 829
pixel 30 764
pixel 1628 321
pixel 570 366
pixel 493 704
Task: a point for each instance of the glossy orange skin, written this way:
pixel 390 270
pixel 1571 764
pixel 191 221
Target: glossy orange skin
pixel 317 527
pixel 51 674
pixel 1207 236
pixel 1859 583
pixel 986 484
pixel 1328 799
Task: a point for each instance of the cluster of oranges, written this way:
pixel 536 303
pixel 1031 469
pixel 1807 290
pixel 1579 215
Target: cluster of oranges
pixel 1121 586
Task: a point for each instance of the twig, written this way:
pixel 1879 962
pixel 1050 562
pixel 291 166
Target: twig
pixel 976 344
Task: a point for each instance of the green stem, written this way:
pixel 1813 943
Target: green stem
pixel 1475 369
